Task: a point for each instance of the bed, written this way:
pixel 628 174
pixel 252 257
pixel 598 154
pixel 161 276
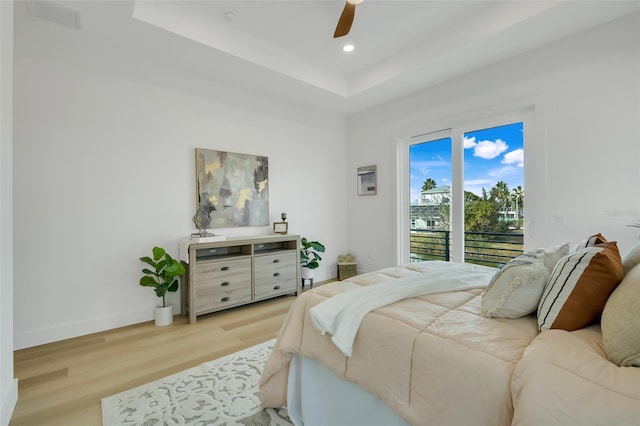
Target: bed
pixel 450 357
pixel 424 339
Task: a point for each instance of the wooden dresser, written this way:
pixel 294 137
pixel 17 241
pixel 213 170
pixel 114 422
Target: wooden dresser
pixel 237 271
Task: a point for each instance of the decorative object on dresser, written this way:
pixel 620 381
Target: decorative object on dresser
pixel 162 278
pixel 238 271
pixel 202 220
pixel 281 227
pixel 232 187
pixel 309 259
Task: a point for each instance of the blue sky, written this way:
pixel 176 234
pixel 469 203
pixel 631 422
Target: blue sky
pixel 490 155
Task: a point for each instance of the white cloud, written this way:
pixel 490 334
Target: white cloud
pixel 485 149
pixel 489 149
pixel 427 167
pixel 469 142
pixel 516 156
pixel 503 173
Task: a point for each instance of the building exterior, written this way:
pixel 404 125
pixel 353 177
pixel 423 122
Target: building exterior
pixel 431 212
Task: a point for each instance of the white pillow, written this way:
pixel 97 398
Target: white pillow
pixel 631 258
pixel 515 290
pixel 549 256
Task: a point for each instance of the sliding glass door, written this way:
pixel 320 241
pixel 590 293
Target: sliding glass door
pixel 463 191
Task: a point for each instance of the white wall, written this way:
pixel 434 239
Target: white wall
pixel 101 135
pixel 589 85
pixel 8 385
pixel 104 170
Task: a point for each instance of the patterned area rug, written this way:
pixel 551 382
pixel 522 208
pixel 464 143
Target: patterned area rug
pixel 220 392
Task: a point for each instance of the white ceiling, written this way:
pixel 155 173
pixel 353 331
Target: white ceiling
pixel 287 48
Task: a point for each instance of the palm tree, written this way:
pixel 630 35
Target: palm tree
pixel 429 184
pixel 501 195
pixel 518 198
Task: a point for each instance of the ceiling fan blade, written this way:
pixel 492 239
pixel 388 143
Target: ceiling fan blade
pixel 345 21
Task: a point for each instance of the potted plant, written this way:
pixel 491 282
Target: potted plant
pixel 309 258
pixel 163 279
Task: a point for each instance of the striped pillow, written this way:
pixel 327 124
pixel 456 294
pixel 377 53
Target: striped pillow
pixel 579 287
pixel 591 241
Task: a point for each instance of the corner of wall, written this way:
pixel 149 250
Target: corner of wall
pixel 8 384
pixel 9 401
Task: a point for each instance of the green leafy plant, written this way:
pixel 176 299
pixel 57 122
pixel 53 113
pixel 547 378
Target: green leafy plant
pixel 162 276
pixel 309 257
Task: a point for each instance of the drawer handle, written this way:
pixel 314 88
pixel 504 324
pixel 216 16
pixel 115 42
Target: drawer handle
pixel 225 268
pixel 224 284
pixel 225 299
pixel 277 274
pixel 277 287
pixel 276 260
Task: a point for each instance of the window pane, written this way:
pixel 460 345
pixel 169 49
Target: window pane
pixel 430 187
pixel 494 194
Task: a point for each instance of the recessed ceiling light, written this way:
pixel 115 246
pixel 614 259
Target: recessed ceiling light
pixel 348 47
pixel 230 16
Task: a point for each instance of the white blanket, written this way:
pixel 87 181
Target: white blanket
pixel 341 315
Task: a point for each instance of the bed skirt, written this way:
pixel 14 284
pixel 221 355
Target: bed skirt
pixel 330 401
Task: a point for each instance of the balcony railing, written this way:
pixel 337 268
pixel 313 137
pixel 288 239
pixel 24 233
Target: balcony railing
pixel 484 248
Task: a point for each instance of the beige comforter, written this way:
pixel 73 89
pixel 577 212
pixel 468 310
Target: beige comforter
pixel 565 378
pixel 432 359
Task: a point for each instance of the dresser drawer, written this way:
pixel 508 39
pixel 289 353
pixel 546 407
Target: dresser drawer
pixel 223 269
pixel 222 283
pixel 275 274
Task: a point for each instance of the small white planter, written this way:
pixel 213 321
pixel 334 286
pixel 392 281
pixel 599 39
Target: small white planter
pixel 307 276
pixel 306 273
pixel 163 315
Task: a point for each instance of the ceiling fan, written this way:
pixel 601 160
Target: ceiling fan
pixel 346 18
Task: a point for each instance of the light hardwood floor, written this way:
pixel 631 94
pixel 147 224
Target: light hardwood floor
pixel 62 383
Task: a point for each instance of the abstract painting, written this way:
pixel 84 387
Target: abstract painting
pixel 233 187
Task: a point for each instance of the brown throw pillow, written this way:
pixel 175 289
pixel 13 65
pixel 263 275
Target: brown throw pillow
pixel 579 287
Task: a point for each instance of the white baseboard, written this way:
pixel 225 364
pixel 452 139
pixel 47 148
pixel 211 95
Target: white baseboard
pixel 9 403
pixel 55 333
